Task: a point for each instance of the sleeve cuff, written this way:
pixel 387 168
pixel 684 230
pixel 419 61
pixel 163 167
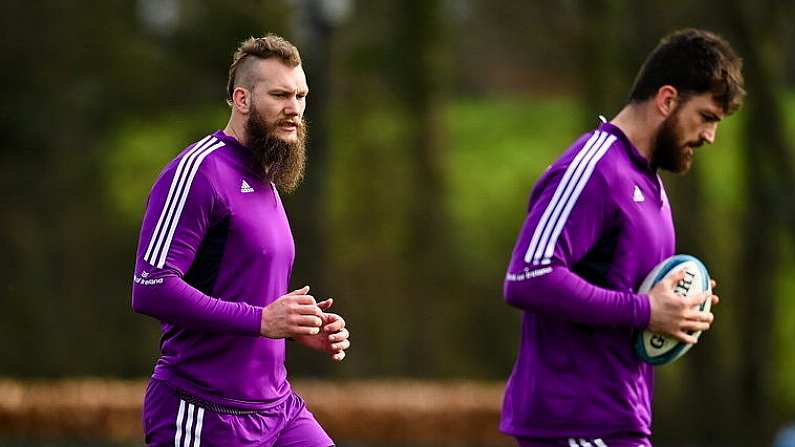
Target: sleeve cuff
pixel 642 311
pixel 254 321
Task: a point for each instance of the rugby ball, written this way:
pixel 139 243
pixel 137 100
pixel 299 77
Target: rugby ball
pixel 659 349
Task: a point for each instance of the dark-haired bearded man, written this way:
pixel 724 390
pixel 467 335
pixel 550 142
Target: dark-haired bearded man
pixel 598 221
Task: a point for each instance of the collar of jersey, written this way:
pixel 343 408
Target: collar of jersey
pixel 232 142
pixel 630 148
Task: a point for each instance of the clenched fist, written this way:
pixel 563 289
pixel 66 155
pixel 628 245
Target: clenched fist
pixel 292 315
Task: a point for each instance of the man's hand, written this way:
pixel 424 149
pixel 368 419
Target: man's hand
pixel 333 338
pixel 675 315
pixel 292 315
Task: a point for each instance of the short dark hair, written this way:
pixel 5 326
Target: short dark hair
pixel 262 48
pixel 694 62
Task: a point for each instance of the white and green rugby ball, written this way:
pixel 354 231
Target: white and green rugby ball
pixel 660 349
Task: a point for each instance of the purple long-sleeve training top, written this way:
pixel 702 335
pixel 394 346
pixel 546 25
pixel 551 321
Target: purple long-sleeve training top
pixel 598 222
pixel 215 247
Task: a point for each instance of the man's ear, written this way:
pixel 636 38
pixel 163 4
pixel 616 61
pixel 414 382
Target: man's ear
pixel 241 99
pixel 666 100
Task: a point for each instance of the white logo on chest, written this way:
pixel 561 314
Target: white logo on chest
pixel 245 187
pixel 637 196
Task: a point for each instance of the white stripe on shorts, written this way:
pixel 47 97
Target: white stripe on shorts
pixel 188 426
pixel 581 442
pixel 197 434
pixel 180 415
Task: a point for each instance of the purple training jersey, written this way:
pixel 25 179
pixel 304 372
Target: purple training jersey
pixel 598 222
pixel 215 248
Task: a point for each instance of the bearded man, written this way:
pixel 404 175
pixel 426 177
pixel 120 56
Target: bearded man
pixel 598 222
pixel 213 264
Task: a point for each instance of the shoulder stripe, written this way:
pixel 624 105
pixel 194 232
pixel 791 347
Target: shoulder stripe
pixel 169 198
pixel 175 201
pixel 556 214
pixel 183 196
pixel 168 206
pixel 575 195
pixel 556 197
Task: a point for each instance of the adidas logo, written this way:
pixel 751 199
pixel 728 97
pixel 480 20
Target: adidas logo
pixel 245 187
pixel 637 196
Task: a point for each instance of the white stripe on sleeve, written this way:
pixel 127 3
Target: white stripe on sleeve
pixel 182 198
pixel 168 203
pixel 568 188
pixel 575 195
pixel 175 201
pixel 566 194
pixel 542 223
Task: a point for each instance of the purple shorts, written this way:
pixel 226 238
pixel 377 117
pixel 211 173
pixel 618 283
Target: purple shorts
pixel 174 422
pixel 584 442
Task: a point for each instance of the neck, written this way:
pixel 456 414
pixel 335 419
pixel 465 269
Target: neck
pixel 639 125
pixel 236 128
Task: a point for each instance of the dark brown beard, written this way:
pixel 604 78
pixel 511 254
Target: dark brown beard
pixel 670 151
pixel 276 160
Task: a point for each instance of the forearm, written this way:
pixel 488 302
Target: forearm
pixel 559 293
pixel 174 301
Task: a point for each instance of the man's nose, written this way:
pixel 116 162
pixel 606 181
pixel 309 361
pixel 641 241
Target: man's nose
pixel 293 107
pixel 709 133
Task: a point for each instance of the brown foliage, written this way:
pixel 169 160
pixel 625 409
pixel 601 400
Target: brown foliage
pixel 361 410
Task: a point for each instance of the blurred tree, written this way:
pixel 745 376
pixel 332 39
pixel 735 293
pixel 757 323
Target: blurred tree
pixel 55 105
pixel 770 180
pixel 364 195
pixel 604 66
pixel 392 212
pixel 419 71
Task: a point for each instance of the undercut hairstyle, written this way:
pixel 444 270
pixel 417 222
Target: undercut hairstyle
pixel 258 48
pixel 694 62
